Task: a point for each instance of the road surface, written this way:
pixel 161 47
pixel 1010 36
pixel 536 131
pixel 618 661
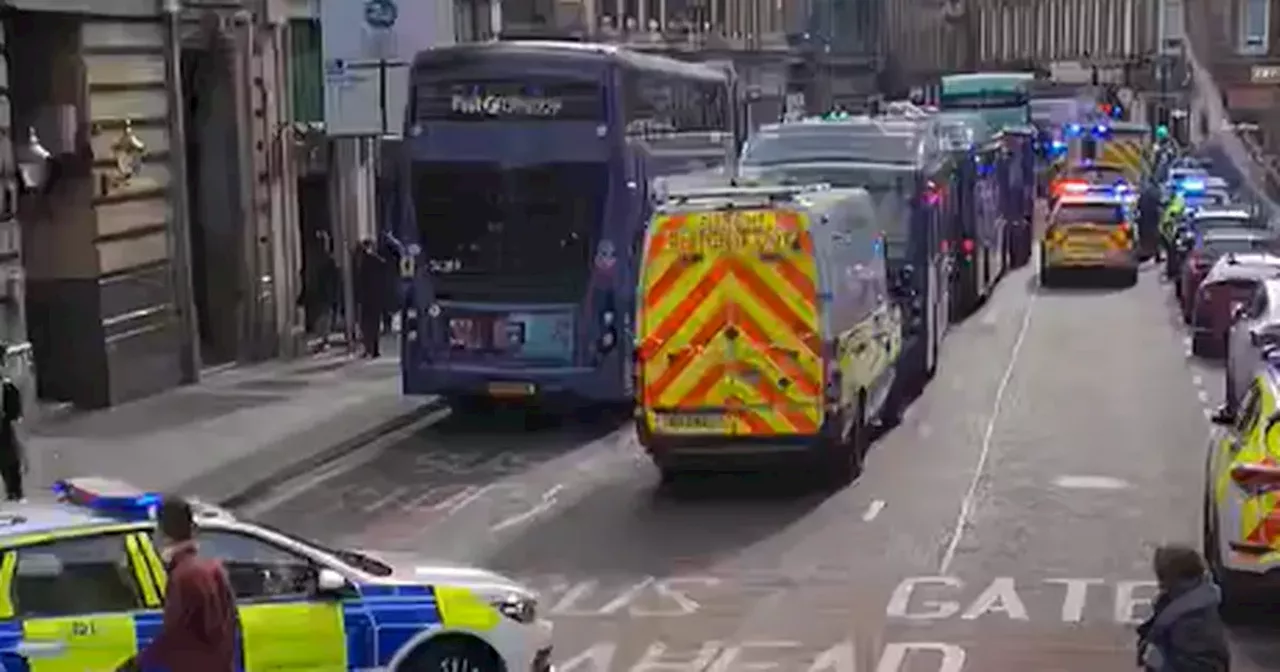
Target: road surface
pixel 1007 524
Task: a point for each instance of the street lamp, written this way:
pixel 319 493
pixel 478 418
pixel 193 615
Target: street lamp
pixel 33 162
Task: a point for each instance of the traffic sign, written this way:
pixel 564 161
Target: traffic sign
pixel 381 14
pixel 368 47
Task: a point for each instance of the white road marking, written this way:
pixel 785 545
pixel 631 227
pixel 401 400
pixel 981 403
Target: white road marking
pixel 966 504
pixel 873 510
pixel 1197 380
pixel 1090 482
pixel 548 501
pixel 1203 396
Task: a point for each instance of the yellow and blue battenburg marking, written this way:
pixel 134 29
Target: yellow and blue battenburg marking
pixel 376 623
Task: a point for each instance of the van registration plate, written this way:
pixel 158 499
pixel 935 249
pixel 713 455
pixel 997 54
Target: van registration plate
pixel 691 422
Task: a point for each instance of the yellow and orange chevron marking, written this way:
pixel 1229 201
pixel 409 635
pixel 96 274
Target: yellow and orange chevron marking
pixel 721 330
pixel 1124 151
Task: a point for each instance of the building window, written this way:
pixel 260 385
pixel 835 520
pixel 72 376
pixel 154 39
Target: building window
pixel 1255 20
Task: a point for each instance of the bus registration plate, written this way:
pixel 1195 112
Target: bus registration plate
pixel 511 390
pixel 692 422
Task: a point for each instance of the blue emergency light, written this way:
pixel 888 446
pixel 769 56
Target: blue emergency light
pixel 1073 130
pixel 1191 186
pixel 1101 131
pixel 1059 146
pixel 108 497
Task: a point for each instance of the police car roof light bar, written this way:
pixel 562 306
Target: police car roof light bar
pixel 108 497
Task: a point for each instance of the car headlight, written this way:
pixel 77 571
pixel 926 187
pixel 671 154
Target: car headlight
pixel 519 608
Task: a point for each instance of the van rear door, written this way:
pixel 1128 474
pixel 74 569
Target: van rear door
pixel 684 349
pixel 774 321
pixel 729 338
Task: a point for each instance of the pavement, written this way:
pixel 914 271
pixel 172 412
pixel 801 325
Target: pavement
pixel 238 431
pixel 1006 525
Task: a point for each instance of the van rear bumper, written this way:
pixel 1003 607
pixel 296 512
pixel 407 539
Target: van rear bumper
pixel 718 452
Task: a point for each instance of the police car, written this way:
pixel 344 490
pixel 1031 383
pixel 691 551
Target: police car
pixel 82 586
pixel 1242 491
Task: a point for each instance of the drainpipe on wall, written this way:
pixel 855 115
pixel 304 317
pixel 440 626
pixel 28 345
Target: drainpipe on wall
pixel 180 233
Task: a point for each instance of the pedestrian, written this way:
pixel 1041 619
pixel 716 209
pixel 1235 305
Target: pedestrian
pixel 201 630
pixel 1185 632
pixel 1149 221
pixel 371 295
pixel 321 289
pixel 13 456
pixel 391 265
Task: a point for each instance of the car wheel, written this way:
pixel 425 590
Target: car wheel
pixel 1237 598
pixel 452 654
pixel 1202 346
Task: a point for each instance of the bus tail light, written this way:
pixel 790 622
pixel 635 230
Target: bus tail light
pixel 968 246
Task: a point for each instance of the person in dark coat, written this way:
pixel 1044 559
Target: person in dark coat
pixel 371 295
pixel 391 257
pixel 201 628
pixel 321 289
pixel 1185 632
pixel 1149 221
pixel 13 458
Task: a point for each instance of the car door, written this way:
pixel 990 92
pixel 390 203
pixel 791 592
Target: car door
pixel 285 624
pixel 1243 355
pixel 1228 445
pixel 76 600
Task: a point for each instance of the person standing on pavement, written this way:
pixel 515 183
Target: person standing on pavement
pixel 201 630
pixel 13 457
pixel 371 294
pixel 321 289
pixel 1185 632
pixel 1149 220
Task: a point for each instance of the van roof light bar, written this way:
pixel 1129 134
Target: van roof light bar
pixel 782 192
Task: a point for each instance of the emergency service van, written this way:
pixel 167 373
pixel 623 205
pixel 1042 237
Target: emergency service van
pixel 765 329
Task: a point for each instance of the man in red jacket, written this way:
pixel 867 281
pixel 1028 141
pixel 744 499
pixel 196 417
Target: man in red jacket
pixel 200 630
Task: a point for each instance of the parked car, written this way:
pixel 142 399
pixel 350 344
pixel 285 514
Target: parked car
pixel 1255 331
pixel 1230 283
pixel 1205 249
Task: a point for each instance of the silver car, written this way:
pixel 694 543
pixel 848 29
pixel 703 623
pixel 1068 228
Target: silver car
pixel 1255 328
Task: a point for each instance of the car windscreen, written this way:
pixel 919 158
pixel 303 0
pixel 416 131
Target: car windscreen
pixel 1100 175
pixel 1215 223
pixel 1217 246
pixel 1090 213
pixel 835 142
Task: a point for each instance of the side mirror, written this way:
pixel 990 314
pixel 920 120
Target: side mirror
pixel 1223 419
pixel 1237 311
pixel 329 582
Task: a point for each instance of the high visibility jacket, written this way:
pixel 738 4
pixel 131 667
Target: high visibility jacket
pixel 1169 219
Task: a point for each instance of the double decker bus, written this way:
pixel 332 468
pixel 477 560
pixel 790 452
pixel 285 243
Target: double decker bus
pixel 530 170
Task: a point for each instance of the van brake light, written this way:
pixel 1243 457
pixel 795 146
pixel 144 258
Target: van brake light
pixel 967 245
pixel 1257 477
